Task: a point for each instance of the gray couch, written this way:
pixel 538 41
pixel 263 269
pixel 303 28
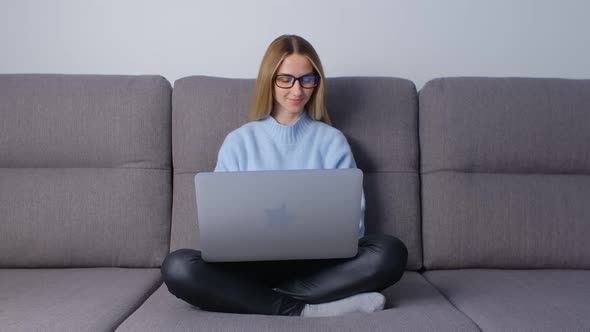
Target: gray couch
pixel 484 179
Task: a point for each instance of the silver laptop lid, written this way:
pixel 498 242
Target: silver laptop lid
pixel 278 215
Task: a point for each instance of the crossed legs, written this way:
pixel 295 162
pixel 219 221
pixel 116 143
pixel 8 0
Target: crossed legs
pixel 283 287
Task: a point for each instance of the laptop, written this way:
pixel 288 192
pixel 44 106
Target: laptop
pixel 278 215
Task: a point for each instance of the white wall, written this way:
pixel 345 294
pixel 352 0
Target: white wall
pixel 413 39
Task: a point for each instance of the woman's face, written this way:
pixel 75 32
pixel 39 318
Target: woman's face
pixel 290 102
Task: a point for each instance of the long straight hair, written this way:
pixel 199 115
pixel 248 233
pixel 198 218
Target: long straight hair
pixel 283 46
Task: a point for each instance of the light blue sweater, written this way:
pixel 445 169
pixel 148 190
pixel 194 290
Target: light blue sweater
pixel 268 145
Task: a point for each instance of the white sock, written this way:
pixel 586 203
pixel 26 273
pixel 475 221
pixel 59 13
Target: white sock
pixel 364 303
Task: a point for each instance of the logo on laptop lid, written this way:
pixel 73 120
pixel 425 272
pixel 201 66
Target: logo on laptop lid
pixel 279 217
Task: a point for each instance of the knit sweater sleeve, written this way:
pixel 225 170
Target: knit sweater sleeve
pixel 228 156
pixel 339 155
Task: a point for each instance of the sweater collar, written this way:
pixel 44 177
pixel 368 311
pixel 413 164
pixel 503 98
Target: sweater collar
pixel 286 134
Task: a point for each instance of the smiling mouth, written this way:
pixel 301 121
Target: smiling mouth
pixel 296 101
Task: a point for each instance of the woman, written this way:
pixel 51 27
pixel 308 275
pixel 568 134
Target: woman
pixel 289 129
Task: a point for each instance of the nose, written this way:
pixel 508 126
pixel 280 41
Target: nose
pixel 297 88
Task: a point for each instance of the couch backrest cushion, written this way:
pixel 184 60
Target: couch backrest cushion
pixel 85 170
pixel 505 164
pixel 377 115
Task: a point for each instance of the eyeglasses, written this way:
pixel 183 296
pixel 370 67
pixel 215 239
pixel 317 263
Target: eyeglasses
pixel 284 81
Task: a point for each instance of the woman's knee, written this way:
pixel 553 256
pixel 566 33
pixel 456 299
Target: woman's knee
pixel 178 267
pixel 388 253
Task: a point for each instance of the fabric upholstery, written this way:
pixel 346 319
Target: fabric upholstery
pixel 519 300
pixel 85 170
pixel 377 115
pixel 84 217
pixel 412 305
pixel 72 299
pixel 523 125
pixel 505 164
pixel 85 121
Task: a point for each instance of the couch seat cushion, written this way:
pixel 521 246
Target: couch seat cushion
pixel 412 304
pixel 519 300
pixel 93 299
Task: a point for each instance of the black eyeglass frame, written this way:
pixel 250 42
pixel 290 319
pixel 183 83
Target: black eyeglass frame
pixel 317 79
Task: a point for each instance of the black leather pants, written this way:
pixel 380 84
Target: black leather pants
pixel 283 287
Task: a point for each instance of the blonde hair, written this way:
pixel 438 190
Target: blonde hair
pixel 283 46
